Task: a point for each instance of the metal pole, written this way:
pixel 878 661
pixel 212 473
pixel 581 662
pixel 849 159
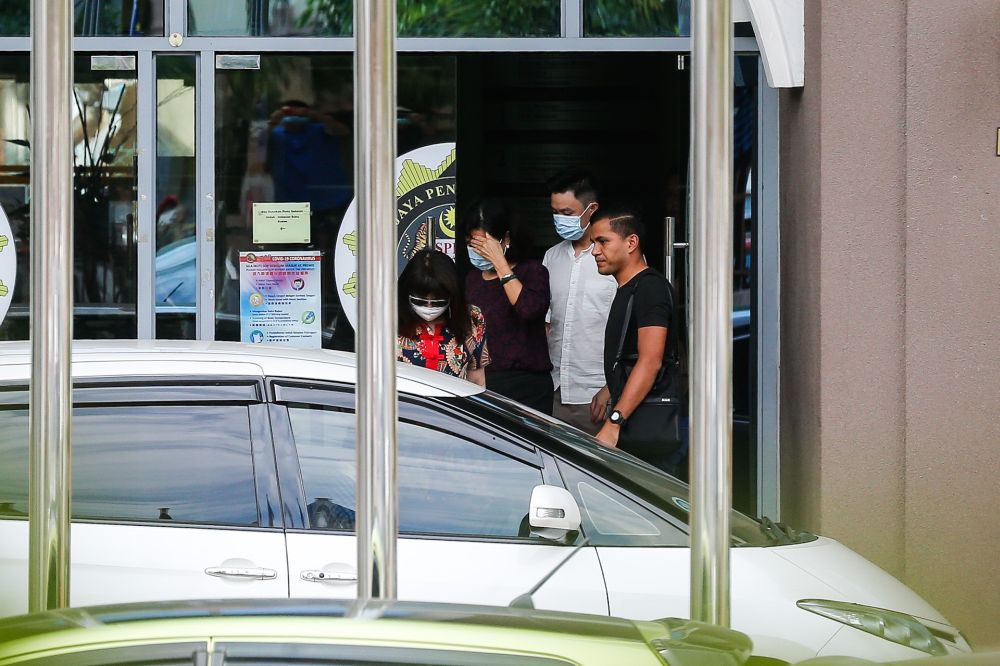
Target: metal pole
pixel 375 152
pixel 51 304
pixel 712 279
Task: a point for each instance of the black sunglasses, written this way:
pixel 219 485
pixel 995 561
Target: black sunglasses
pixel 429 303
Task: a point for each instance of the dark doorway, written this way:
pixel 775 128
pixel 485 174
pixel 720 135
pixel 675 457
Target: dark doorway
pixel 623 116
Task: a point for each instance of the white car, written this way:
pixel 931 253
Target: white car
pixel 219 470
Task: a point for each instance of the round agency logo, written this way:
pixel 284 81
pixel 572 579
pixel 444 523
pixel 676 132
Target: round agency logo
pixel 8 265
pixel 425 216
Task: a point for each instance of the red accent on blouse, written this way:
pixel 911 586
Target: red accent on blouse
pixel 430 346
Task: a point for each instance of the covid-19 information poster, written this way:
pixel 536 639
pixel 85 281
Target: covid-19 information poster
pixel 280 298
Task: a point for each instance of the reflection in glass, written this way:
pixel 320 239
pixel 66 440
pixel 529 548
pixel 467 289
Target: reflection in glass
pixel 415 18
pixel 14 463
pixel 164 463
pixel 452 486
pixel 611 519
pixel 15 19
pixel 285 134
pixel 637 18
pixel 104 169
pixel 92 18
pixel 15 157
pixel 181 464
pixel 118 18
pixel 261 18
pixel 447 485
pixel 176 288
pixel 105 180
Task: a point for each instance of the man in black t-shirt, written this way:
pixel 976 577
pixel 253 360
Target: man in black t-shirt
pixel 639 347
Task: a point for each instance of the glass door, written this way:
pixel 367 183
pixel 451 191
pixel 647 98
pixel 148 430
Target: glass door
pixel 175 238
pixel 105 178
pixel 105 126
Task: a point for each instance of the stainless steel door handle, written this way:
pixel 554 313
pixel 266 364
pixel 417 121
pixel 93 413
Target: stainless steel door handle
pixel 257 573
pixel 317 576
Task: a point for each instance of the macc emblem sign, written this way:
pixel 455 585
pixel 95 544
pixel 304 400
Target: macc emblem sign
pixel 8 265
pixel 425 217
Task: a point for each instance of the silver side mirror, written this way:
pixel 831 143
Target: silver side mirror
pixel 553 512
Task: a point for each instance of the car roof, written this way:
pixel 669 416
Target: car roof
pixel 103 358
pixel 514 618
pixel 541 636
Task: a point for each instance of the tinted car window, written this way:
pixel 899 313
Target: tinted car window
pixel 612 519
pixel 672 494
pixel 14 462
pixel 149 463
pixel 447 484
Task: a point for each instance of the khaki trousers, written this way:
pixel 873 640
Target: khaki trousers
pixel 575 415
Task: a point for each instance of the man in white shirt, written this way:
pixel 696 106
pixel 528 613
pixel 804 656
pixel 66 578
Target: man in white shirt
pixel 581 299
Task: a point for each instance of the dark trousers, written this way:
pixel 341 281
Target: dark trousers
pixel 668 457
pixel 533 389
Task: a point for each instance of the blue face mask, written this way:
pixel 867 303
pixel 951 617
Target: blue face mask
pixel 478 261
pixel 568 226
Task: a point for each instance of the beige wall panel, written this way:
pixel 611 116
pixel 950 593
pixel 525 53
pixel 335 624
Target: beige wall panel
pixel 953 311
pixel 800 296
pixel 862 200
pixel 842 281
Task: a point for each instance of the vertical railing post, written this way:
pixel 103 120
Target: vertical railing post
pixel 51 304
pixel 375 153
pixel 711 286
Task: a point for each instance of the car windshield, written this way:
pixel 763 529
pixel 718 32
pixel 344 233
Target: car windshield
pixel 671 492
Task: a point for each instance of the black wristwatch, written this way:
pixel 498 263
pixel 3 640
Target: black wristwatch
pixel 507 278
pixel 617 418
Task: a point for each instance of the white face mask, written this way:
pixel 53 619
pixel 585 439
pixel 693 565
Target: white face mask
pixel 428 310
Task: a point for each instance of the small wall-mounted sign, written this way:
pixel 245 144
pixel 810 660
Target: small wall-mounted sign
pixel 112 63
pixel 237 61
pixel 281 223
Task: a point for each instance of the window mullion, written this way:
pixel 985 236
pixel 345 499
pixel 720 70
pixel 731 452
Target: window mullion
pixel 572 18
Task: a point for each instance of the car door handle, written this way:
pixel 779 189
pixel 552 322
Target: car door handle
pixel 317 576
pixel 257 573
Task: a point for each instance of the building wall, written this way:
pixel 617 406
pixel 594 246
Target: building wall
pixel 890 376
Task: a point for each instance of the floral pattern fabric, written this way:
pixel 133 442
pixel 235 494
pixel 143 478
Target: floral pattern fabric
pixel 435 347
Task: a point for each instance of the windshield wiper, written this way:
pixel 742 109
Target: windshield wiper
pixel 780 534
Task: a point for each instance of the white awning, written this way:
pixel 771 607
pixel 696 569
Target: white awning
pixel 780 29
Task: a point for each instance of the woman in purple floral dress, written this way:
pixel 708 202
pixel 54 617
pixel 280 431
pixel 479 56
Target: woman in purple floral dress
pixel 437 329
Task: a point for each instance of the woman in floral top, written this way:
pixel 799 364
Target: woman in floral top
pixel 437 329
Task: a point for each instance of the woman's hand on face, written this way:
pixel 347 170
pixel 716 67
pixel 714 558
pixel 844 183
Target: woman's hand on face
pixel 488 248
